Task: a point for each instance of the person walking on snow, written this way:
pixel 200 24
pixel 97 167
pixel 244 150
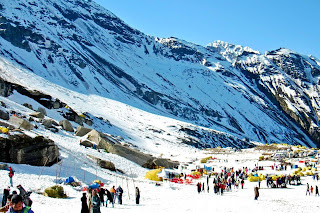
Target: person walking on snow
pixel 242 182
pixel 199 187
pixel 256 193
pixel 137 195
pixel 311 189
pixel 307 189
pixel 317 191
pixel 113 194
pixel 11 173
pixel 119 194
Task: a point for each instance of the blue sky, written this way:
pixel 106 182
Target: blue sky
pixel 260 24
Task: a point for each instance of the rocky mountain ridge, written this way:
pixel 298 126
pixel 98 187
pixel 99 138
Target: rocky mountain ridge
pixel 220 88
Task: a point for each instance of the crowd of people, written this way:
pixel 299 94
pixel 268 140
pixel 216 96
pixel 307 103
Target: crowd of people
pixel 95 198
pixel 224 181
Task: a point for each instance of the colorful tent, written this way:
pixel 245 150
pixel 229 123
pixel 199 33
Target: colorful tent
pixel 153 175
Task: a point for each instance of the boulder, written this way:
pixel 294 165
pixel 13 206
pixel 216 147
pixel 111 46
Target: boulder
pixel 102 141
pixel 131 154
pixel 47 122
pixel 81 131
pixel 4 115
pixel 66 125
pixel 42 110
pixel 71 115
pixel 37 114
pixel 160 162
pixel 4 166
pixel 56 105
pixel 20 123
pixel 86 143
pixel 23 149
pixel 28 106
pixel 104 163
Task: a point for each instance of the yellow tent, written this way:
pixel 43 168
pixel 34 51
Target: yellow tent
pixel 253 178
pixel 153 175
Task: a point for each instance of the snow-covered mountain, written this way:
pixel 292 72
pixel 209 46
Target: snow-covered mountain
pixel 166 89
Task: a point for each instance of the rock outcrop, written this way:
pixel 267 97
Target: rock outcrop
pixel 4 115
pixel 47 123
pixel 23 149
pixel 82 131
pixel 20 123
pixel 66 125
pixel 111 145
pixel 104 163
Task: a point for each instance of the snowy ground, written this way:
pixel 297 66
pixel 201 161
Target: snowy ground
pixel 169 197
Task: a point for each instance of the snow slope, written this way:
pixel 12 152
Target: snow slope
pixel 83 48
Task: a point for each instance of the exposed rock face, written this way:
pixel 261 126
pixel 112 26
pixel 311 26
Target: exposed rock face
pixel 111 145
pixel 23 149
pixel 20 123
pixel 130 154
pixel 81 131
pixel 66 125
pixel 4 115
